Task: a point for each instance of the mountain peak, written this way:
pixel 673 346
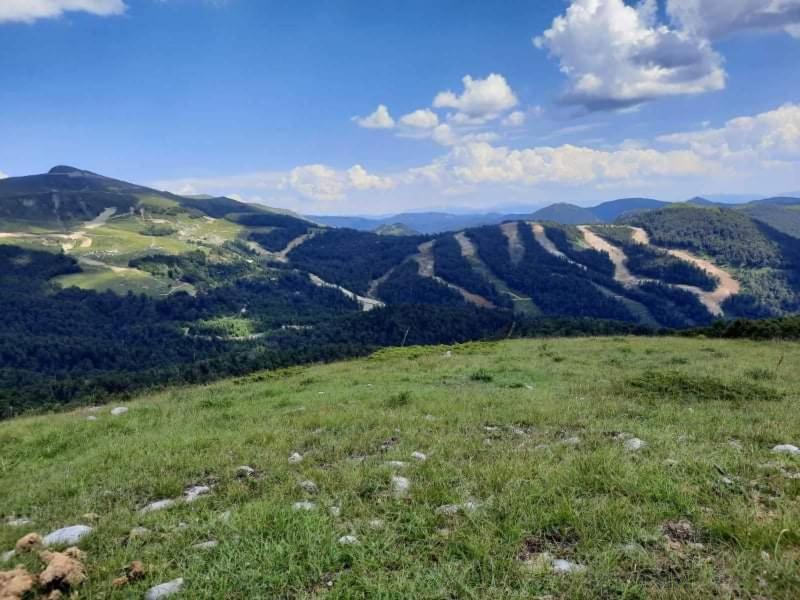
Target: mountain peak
pixel 67 170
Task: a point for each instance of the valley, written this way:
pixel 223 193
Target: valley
pixel 241 286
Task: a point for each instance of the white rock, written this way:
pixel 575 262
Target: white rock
pixel 400 486
pixel 376 524
pixel 206 545
pixel 786 449
pixel 94 409
pixel 295 458
pixel 164 589
pixel 470 506
pixel 735 444
pixel 119 410
pixel 566 566
pixel 245 471
pixel 634 444
pixel 304 505
pixel 7 556
pixel 309 486
pixel 157 505
pixel 195 492
pixel 396 464
pixel 18 522
pixel 182 525
pixel 448 509
pixel 571 441
pixel 419 456
pixel 348 540
pixel 335 511
pixel 67 536
pixel 91 418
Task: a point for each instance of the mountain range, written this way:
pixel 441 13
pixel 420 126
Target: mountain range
pixel 96 273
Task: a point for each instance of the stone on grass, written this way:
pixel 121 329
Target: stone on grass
pixel 163 590
pixel 348 540
pixel 376 524
pixel 400 486
pixel 448 509
pixel 157 505
pixel 195 492
pixel 309 486
pixel 786 449
pixel 634 444
pixel 119 410
pixel 18 522
pixel 419 456
pixel 7 556
pixel 91 418
pixel 245 471
pixel 735 444
pixel 67 536
pixel 567 566
pixel 208 545
pixel 335 511
pixel 396 464
pixel 304 505
pixel 295 458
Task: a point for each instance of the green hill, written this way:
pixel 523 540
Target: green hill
pixel 527 458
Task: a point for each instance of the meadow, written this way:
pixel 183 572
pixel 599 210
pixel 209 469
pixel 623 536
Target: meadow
pixel 486 470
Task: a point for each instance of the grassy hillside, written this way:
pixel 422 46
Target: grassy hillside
pixel 524 440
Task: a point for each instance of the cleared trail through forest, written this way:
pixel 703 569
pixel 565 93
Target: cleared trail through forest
pixel 427 268
pixel 712 300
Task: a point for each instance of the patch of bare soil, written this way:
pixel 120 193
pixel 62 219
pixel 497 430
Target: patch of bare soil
pixel 427 268
pixel 515 248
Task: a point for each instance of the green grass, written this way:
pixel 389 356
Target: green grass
pixel 496 438
pixel 101 280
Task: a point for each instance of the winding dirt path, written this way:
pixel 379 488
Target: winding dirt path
pixel 427 268
pixel 728 286
pixel 712 300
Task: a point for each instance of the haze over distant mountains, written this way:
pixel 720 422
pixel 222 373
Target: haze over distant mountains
pixel 560 212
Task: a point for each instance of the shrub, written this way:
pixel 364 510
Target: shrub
pixel 675 385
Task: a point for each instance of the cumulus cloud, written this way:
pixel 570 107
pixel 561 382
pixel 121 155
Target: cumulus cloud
pixel 617 56
pixel 28 11
pixel 481 100
pixel 423 118
pixel 769 137
pixel 380 119
pixel 481 162
pixel 359 179
pixel 715 18
pixel 3 175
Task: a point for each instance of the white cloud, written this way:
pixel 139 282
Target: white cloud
pixel 3 175
pixel 572 165
pixel 423 118
pixel 380 119
pixel 482 99
pixel 515 119
pixel 769 137
pixel 28 11
pixel 716 18
pixel 359 179
pixel 616 56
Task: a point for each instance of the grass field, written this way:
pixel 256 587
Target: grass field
pixel 527 437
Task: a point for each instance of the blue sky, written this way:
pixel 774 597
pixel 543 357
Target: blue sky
pixel 486 104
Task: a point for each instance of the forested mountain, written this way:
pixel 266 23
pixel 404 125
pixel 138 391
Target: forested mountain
pixel 107 286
